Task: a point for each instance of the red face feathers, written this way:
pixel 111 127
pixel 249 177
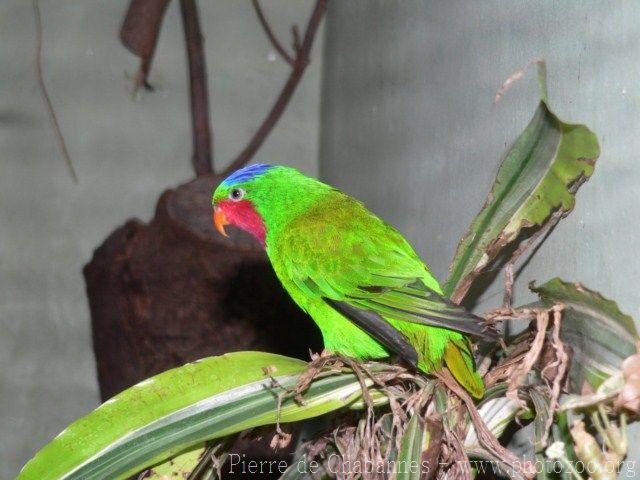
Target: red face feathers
pixel 240 214
pixel 231 207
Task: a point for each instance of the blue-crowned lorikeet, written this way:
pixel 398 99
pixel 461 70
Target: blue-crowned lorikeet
pixel 355 275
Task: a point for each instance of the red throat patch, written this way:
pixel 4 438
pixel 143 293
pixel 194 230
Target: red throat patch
pixel 242 215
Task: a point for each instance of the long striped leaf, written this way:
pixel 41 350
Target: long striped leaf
pixel 166 414
pixel 599 334
pixel 178 467
pixel 497 413
pixel 539 176
pixel 414 441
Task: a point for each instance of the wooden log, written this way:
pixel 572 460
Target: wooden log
pixel 173 290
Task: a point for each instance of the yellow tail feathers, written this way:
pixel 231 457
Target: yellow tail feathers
pixel 460 363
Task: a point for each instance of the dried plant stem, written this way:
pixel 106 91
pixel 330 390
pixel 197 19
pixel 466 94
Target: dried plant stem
pixel 358 372
pixel 461 469
pixel 485 437
pixel 520 373
pixel 562 362
pixel 514 78
pixel 45 94
pixel 508 270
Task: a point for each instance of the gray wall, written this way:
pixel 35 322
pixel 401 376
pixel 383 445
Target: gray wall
pixel 409 127
pixel 126 153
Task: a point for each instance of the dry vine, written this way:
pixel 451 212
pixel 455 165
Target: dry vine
pixel 53 118
pixel 562 365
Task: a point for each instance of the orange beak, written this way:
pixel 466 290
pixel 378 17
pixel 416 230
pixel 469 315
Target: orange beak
pixel 220 220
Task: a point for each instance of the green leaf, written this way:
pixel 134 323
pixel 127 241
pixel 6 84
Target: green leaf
pixel 166 414
pixel 541 404
pixel 539 176
pixel 419 449
pixel 411 447
pixel 178 467
pixel 497 411
pixel 196 462
pixel 599 334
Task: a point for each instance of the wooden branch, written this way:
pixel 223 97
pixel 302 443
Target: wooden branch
pixel 295 33
pixel 270 35
pixel 141 78
pixel 139 34
pixel 299 66
pixel 202 133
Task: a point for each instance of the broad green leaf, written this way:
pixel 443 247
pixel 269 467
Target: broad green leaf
pixel 419 450
pixel 166 414
pixel 541 404
pixel 539 176
pixel 599 334
pixel 497 411
pixel 411 463
pixel 178 467
pixel 195 463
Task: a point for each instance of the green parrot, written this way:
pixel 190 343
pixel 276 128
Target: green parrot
pixel 355 275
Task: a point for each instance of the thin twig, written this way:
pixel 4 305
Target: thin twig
pixel 461 468
pixel 351 363
pixel 270 35
pixel 295 33
pixel 281 437
pixel 562 360
pixel 201 123
pixel 45 95
pixel 520 373
pixel 299 66
pixel 141 78
pixel 508 271
pixel 513 78
pixel 485 437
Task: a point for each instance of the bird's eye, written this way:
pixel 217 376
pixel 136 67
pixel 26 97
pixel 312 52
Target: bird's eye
pixel 236 194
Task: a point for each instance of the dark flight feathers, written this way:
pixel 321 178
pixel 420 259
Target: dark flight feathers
pixel 413 303
pixel 416 303
pixel 378 328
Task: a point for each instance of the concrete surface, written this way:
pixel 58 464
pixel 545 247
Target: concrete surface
pixel 409 127
pixel 126 153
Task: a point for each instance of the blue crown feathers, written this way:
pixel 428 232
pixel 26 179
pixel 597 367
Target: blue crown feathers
pixel 245 174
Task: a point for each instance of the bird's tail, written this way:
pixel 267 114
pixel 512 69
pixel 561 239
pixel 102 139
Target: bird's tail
pixel 459 361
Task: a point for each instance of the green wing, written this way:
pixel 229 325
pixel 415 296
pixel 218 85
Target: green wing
pixel 341 252
pixel 416 303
